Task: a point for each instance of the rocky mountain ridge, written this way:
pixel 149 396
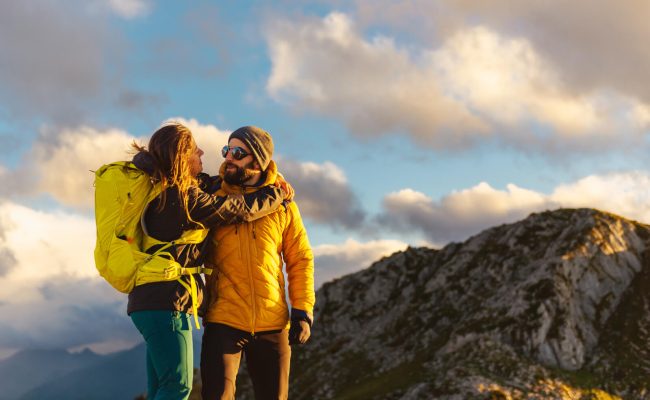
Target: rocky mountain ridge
pixel 551 307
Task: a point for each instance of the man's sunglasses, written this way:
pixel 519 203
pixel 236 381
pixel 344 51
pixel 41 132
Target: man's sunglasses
pixel 237 152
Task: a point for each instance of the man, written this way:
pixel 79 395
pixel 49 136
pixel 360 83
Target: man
pixel 247 310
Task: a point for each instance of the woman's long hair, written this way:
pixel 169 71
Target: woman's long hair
pixel 171 147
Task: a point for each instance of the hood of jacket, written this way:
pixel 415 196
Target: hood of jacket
pixel 145 162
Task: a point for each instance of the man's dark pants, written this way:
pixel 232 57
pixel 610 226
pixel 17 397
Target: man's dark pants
pixel 268 356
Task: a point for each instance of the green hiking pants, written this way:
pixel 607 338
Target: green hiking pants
pixel 170 358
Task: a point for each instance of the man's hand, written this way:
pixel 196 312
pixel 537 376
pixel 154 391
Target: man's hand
pixel 299 331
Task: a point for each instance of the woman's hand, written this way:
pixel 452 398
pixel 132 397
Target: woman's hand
pixel 285 186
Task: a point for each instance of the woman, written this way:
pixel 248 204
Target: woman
pixel 162 311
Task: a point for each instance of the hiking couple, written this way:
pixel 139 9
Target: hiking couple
pixel 254 227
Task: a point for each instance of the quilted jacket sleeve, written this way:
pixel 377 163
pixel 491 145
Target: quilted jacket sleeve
pixel 299 261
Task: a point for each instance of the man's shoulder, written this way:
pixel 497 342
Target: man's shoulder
pixel 291 206
pixel 284 214
pixel 292 212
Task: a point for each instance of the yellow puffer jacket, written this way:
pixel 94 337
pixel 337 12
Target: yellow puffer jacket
pixel 247 287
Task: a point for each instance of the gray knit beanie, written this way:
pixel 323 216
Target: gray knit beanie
pixel 258 141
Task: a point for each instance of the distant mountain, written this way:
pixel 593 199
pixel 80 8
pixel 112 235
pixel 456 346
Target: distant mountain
pixel 60 375
pixel 28 369
pixel 556 306
pixel 119 375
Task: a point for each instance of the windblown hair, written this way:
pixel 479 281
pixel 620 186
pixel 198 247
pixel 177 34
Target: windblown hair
pixel 171 147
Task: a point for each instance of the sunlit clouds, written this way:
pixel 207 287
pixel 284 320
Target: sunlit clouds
pixel 78 152
pixel 51 293
pixel 465 212
pixel 44 245
pixel 476 86
pixel 375 87
pixel 590 43
pixel 336 260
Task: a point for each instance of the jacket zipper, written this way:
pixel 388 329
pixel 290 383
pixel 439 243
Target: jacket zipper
pixel 250 279
pixel 250 270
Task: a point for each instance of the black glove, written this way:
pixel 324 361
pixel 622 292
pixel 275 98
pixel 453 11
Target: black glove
pixel 300 329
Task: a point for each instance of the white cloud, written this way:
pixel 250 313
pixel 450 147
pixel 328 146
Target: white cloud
pixel 586 55
pixel 627 194
pixel 327 170
pixel 130 8
pixel 509 84
pixel 46 245
pixel 64 165
pixel 482 199
pixel 477 85
pixel 460 214
pixel 570 35
pixel 335 260
pixel 61 166
pixel 52 295
pixel 326 66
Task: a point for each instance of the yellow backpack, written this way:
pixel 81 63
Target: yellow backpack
pixel 122 193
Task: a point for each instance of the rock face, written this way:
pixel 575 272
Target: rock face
pixel 552 307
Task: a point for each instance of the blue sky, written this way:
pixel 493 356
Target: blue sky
pixel 398 122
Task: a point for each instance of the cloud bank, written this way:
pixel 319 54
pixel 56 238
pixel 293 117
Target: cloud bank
pixel 477 85
pixel 52 295
pixel 323 194
pixel 571 36
pixel 462 213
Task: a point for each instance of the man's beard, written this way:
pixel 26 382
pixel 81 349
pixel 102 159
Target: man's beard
pixel 240 175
